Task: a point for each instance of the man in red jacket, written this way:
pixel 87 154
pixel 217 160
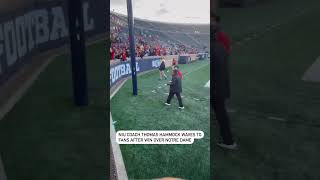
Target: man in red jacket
pixel 220 80
pixel 222 38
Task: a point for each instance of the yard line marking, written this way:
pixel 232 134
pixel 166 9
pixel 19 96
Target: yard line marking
pixel 277 118
pixel 207 84
pixel 313 72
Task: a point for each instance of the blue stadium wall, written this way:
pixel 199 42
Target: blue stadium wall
pixel 41 27
pixel 122 70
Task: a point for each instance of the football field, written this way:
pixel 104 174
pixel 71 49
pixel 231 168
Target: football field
pixel 147 111
pixel 276 117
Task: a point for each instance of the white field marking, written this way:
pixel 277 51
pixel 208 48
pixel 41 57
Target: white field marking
pixel 277 118
pixel 312 74
pixel 196 99
pixel 207 84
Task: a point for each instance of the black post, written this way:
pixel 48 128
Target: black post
pixel 78 55
pixel 132 48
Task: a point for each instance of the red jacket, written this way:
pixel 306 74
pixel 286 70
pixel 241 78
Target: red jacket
pixel 124 56
pixel 225 40
pixel 180 74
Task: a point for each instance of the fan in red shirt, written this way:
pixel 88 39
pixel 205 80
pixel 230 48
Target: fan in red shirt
pixel 112 53
pixel 158 51
pixel 124 56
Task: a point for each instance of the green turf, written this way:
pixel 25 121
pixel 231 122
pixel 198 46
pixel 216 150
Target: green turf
pixel 45 137
pixel 148 112
pixel 266 81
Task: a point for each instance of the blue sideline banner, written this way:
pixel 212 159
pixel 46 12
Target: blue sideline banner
pixel 123 69
pixel 41 27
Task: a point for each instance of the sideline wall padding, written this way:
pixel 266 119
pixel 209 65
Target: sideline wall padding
pixel 37 27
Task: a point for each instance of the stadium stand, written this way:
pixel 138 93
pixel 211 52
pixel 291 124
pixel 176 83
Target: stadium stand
pixel 157 38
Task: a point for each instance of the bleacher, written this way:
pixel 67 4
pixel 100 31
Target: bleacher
pixel 182 38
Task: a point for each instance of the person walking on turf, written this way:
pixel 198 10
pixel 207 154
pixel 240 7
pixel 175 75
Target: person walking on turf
pixel 220 81
pixel 175 89
pixel 162 68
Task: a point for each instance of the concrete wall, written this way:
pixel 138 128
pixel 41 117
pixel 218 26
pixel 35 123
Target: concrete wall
pixel 8 6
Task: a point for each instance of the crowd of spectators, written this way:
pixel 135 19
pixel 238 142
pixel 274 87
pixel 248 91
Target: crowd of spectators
pixel 148 43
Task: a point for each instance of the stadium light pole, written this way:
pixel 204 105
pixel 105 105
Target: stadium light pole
pixel 132 48
pixel 78 55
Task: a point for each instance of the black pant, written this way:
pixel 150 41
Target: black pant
pixel 222 117
pixel 171 94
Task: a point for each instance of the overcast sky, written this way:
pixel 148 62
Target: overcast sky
pixel 178 11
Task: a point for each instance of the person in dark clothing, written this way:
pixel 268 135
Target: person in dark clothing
pixel 225 40
pixel 175 89
pixel 162 68
pixel 220 81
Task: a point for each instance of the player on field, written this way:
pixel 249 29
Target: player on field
pixel 162 68
pixel 175 89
